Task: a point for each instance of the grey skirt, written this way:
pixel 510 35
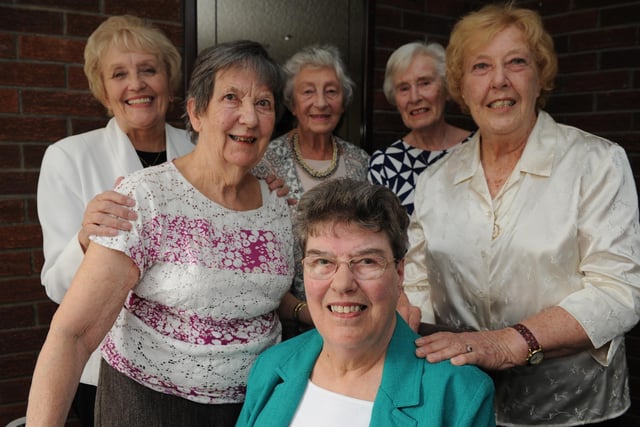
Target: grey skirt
pixel 120 401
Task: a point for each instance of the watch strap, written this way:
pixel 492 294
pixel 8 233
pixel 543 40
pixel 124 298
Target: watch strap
pixel 532 342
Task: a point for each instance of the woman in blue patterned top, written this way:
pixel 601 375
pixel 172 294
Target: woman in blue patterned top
pixel 414 83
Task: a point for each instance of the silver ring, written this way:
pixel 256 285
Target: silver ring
pixel 469 348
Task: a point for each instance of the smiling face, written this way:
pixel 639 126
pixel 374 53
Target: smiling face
pixel 317 99
pixel 136 89
pixel 500 85
pixel 347 312
pixel 239 119
pixel 420 93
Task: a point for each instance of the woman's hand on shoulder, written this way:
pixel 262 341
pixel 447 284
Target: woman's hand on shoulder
pixel 491 350
pixel 106 214
pixel 278 185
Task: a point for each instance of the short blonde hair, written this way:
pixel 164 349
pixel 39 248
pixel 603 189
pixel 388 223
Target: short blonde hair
pixel 481 26
pixel 132 33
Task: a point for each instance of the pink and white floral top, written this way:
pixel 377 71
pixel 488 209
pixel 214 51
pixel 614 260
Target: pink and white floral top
pixel 210 281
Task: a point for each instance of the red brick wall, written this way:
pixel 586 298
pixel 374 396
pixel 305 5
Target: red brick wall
pixel 44 97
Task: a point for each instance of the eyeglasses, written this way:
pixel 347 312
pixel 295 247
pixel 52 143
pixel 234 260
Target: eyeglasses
pixel 366 267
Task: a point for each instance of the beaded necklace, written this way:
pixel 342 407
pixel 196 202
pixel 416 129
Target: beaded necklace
pixel 333 166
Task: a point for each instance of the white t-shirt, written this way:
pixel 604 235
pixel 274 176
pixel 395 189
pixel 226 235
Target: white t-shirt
pixel 320 408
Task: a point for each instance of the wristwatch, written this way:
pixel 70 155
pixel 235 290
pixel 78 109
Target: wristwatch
pixel 535 355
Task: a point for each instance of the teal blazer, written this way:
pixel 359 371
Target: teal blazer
pixel 413 391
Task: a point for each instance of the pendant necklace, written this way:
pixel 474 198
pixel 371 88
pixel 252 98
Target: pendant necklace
pixel 147 159
pixel 333 166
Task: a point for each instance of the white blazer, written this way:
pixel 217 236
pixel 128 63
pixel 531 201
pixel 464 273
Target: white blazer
pixel 73 171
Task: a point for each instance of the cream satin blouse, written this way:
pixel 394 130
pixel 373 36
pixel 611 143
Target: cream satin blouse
pixel 562 231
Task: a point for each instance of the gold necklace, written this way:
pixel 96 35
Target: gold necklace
pixel 333 166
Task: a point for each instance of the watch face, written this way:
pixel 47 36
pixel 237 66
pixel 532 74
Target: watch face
pixel 536 357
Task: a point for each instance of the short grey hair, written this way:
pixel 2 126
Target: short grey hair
pixel 401 58
pixel 245 54
pixel 317 56
pixel 348 201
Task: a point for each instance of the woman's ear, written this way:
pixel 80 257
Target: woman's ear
pixel 193 116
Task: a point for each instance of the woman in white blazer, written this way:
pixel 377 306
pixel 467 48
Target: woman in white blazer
pixel 133 69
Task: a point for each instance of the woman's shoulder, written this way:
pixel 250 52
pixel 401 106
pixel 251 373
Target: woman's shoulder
pixel 285 349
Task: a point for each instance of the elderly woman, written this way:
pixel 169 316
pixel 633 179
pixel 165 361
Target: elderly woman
pixel 414 83
pixel 527 234
pixel 133 70
pixel 200 275
pixel 317 92
pixel 356 368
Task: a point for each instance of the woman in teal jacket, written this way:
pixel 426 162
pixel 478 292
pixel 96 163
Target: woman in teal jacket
pixel 357 368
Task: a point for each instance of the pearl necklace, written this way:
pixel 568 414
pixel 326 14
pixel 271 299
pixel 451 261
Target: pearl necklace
pixel 333 166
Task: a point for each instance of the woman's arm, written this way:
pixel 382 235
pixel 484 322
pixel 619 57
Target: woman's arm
pixel 84 317
pixel 557 332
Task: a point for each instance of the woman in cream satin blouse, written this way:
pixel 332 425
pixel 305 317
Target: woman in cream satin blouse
pixel 527 235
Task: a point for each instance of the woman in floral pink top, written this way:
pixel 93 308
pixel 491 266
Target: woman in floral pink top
pixel 201 275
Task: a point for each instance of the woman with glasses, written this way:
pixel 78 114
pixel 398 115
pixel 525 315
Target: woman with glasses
pixel 357 368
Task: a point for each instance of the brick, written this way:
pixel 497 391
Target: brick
pixel 17 365
pixel 85 125
pixel 11 211
pixel 594 82
pixel 86 5
pixel 10 156
pixel 83 25
pixel 392 38
pixel 29 129
pixel 175 33
pixel 164 10
pixel 620 15
pixel 14 391
pixel 32 155
pixel 428 24
pixel 32 74
pixel 597 122
pixel 60 103
pixel 17 316
pixel 77 79
pixel 577 62
pixel 554 7
pixel 9 102
pixel 18 183
pixel 14 263
pixel 22 340
pixel 570 103
pixel 588 4
pixel 451 8
pixel 7 46
pixel 386 17
pixel 577 21
pixel 411 5
pixel 51 49
pixel 603 39
pixel 45 311
pixel 20 236
pixel 21 290
pixel 625 58
pixel 31 20
pixel 618 101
